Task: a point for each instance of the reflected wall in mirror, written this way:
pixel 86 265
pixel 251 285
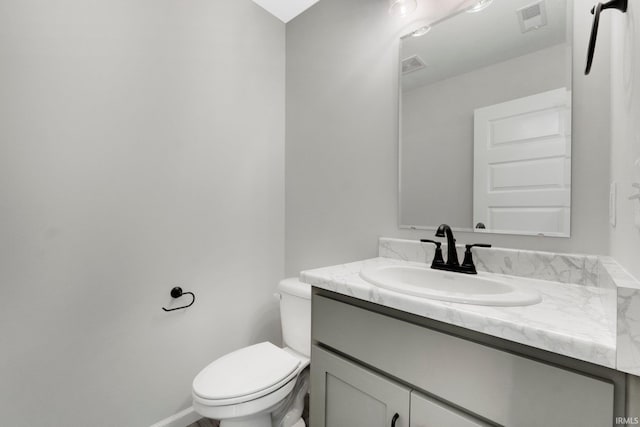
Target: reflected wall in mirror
pixel 485 121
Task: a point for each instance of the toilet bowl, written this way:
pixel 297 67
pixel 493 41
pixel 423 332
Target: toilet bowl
pixel 262 385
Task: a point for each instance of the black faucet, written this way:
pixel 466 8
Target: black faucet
pixel 452 263
pixel 452 254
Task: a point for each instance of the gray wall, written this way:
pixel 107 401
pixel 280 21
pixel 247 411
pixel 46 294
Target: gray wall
pixel 437 132
pixel 625 116
pixel 342 124
pixel 142 147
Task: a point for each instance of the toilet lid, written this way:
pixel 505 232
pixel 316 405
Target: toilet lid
pixel 244 372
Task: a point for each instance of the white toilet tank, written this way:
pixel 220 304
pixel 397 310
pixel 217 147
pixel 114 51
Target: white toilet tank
pixel 295 315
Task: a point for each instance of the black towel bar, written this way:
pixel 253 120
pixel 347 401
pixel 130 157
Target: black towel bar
pixel 621 5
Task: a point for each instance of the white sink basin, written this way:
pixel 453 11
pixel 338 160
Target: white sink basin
pixel 480 289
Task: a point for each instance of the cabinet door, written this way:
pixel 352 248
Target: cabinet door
pixel 427 412
pixel 346 394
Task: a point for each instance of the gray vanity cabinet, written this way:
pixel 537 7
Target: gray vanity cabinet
pixel 427 412
pixel 354 396
pixel 367 365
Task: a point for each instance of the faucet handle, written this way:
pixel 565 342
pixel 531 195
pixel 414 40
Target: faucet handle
pixel 477 245
pixel 437 257
pixel 468 264
pixel 438 244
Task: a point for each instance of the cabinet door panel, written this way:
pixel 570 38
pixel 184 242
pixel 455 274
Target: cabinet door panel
pixel 351 406
pixel 346 394
pixel 426 412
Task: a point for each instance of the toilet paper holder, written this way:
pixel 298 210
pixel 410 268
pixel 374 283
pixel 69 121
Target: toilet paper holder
pixel 177 292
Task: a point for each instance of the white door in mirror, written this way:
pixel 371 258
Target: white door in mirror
pixel 522 164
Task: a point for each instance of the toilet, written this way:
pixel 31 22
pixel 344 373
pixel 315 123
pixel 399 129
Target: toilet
pixel 262 385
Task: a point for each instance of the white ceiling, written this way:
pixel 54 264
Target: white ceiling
pixel 285 10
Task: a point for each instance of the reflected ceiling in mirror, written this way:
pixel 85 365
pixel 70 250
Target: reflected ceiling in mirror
pixel 485 121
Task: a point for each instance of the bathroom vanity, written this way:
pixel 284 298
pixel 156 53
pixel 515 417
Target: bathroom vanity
pixel 370 363
pixel 381 358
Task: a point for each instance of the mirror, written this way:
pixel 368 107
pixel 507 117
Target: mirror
pixel 485 120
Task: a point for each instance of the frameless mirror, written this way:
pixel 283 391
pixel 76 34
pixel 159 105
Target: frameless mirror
pixel 485 120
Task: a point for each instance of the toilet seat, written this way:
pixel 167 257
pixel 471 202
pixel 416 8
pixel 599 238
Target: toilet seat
pixel 246 374
pixel 216 411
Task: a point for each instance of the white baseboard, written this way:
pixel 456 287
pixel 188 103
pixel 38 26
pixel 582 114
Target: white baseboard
pixel 181 419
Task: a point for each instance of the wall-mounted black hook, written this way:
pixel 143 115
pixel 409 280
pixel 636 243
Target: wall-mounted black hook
pixel 177 293
pixel 620 5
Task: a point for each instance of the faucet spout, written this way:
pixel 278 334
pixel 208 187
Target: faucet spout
pixel 452 254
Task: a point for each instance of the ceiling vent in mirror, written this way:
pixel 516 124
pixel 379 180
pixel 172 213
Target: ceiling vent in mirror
pixel 411 64
pixel 532 17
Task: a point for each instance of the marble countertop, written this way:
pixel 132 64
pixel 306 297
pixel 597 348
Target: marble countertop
pixel 571 319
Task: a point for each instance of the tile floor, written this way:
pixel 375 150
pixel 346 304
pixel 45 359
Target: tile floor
pixel 205 422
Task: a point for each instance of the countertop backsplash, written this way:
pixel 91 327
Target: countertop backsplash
pixel 555 267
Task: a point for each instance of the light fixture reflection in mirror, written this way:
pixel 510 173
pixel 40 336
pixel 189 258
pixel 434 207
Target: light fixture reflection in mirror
pixel 421 31
pixel 480 6
pixel 402 7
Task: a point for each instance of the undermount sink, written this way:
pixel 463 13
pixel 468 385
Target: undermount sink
pixel 422 281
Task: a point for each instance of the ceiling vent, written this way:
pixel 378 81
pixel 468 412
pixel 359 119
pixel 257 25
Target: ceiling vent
pixel 411 64
pixel 532 17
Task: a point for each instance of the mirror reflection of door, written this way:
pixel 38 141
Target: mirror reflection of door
pixel 522 164
pixel 509 56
